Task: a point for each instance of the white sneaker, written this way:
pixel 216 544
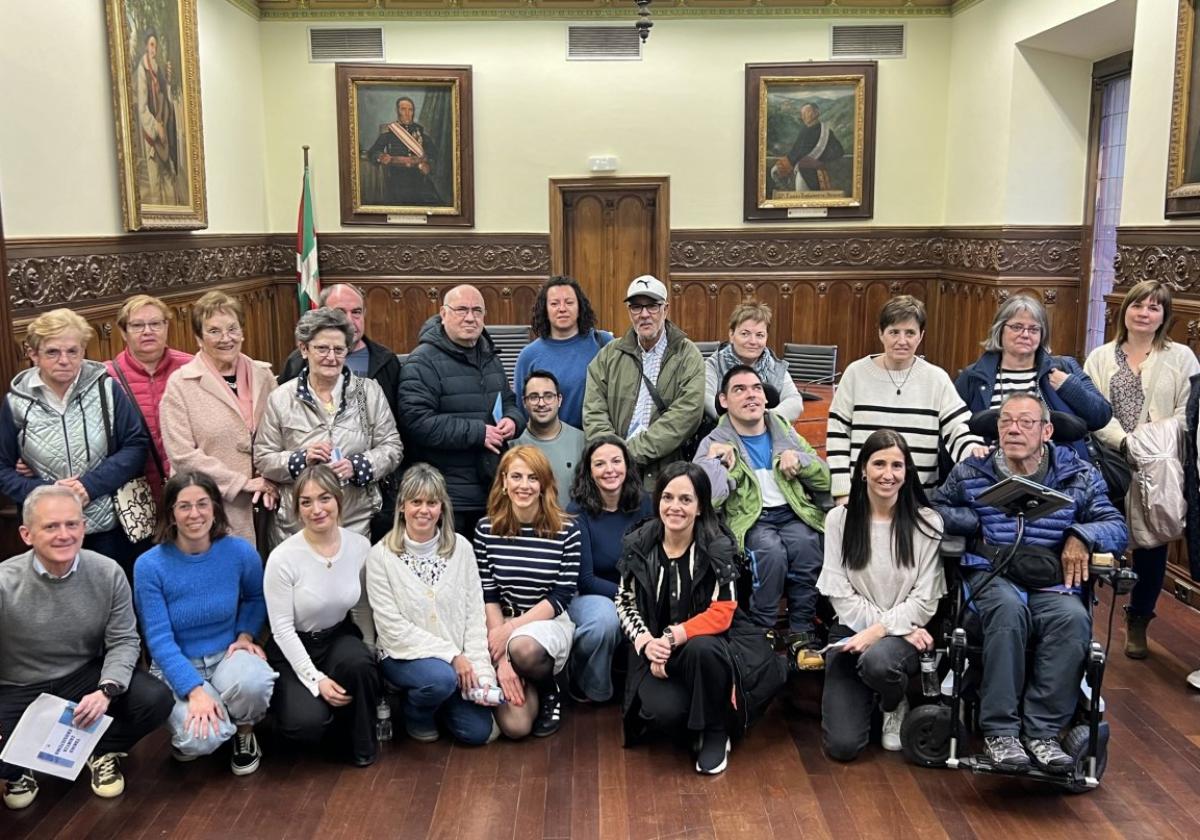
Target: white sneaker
pixel 892 721
pixel 1193 679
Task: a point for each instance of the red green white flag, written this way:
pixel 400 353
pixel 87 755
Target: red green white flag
pixel 308 277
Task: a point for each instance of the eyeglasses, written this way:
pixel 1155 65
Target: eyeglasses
pixel 650 308
pixel 1025 424
pixel 54 354
pixel 202 506
pixel 143 326
pixel 463 311
pixel 545 397
pixel 1023 329
pixel 217 334
pixel 326 350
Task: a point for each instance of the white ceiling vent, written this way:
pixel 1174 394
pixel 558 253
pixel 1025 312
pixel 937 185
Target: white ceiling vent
pixel 359 43
pixel 874 41
pixel 603 43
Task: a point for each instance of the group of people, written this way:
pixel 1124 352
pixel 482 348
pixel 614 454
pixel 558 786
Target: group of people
pixel 484 549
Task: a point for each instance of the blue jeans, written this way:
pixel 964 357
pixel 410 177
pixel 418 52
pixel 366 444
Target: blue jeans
pixel 597 634
pixel 241 683
pixel 786 555
pixel 432 691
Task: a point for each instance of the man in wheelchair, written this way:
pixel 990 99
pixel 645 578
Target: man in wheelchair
pixel 1036 602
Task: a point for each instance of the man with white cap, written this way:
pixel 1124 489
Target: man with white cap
pixel 647 387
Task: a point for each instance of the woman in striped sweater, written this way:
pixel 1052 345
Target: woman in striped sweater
pixel 897 390
pixel 528 555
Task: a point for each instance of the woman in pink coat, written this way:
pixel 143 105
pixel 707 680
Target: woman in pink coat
pixel 142 370
pixel 212 407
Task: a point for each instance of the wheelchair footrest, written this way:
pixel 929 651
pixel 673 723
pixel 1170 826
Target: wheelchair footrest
pixel 983 765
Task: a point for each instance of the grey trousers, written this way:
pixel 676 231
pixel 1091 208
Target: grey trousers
pixel 1060 629
pixel 851 682
pixel 786 557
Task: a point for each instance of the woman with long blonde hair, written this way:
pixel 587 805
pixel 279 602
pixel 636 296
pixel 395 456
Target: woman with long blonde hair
pixel 528 555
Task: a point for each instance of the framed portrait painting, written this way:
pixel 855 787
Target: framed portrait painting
pixel 404 145
pixel 1183 156
pixel 810 141
pixel 156 108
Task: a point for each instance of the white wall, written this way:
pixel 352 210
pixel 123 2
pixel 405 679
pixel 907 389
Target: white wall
pixel 678 112
pixel 58 163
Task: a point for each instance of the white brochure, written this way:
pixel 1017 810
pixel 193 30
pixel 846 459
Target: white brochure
pixel 46 741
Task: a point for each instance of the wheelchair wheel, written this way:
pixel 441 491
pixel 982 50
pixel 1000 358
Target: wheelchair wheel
pixel 925 736
pixel 1076 746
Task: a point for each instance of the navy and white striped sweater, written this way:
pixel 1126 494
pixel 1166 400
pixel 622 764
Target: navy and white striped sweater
pixel 518 572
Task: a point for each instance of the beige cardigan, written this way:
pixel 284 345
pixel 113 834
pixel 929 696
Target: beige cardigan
pixel 203 431
pixel 1175 365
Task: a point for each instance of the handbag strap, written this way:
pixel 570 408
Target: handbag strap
pixel 654 395
pixel 128 390
pixel 108 437
pixel 1145 415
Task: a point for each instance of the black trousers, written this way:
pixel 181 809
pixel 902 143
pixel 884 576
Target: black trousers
pixel 139 711
pixel 695 695
pixel 465 522
pixel 342 656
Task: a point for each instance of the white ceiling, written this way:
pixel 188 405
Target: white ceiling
pixel 1098 34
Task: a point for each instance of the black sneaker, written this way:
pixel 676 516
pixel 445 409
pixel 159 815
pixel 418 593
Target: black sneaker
pixel 549 716
pixel 246 754
pixel 1005 751
pixel 713 756
pixel 107 779
pixel 20 793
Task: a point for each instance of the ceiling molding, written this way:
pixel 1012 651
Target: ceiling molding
pixel 375 10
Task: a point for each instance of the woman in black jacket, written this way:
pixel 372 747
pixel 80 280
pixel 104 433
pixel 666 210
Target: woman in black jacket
pixel 676 602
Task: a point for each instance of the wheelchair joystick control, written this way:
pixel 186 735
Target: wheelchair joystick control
pixel 929 674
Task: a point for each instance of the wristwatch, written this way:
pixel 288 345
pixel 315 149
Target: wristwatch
pixel 111 690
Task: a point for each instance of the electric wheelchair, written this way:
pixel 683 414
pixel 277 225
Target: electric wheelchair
pixel 940 732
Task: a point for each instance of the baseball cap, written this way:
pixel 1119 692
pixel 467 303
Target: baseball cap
pixel 647 286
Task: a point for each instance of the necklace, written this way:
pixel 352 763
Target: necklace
pixel 902 382
pixel 320 551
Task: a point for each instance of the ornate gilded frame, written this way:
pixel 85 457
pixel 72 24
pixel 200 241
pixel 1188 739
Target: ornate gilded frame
pixel 458 207
pixel 1183 156
pixel 160 190
pixel 765 199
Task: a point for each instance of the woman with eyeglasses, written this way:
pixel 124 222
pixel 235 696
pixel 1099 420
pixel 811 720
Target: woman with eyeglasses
pixel 212 407
pixel 328 415
pixel 142 370
pixel 64 422
pixel 1017 360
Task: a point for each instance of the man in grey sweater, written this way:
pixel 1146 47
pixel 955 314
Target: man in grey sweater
pixel 67 628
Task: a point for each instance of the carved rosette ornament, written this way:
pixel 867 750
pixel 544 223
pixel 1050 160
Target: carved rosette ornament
pixel 1050 296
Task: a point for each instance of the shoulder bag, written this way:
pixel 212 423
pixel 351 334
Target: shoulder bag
pixel 134 502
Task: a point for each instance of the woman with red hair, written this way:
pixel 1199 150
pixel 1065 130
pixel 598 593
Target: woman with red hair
pixel 528 555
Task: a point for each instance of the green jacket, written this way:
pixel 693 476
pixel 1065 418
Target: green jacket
pixel 736 490
pixel 613 382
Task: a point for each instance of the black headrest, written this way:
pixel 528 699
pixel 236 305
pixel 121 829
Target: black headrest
pixel 1067 427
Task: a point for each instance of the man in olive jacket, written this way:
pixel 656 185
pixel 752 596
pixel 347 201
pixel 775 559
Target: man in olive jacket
pixel 457 410
pixel 619 401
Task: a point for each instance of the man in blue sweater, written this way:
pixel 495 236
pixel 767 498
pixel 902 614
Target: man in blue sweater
pixel 1037 598
pixel 67 628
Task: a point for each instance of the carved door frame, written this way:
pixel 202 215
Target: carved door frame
pixel 561 188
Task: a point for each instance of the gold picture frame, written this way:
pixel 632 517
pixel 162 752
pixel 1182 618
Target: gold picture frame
pixel 810 140
pixel 156 109
pixel 405 145
pixel 1183 156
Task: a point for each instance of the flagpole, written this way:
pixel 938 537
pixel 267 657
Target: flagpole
pixel 308 277
pixel 305 148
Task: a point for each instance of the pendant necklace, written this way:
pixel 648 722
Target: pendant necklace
pixel 902 382
pixel 328 558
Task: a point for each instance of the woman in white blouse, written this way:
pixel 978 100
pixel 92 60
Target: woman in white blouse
pixel 322 631
pixel 427 600
pixel 1146 377
pixel 883 576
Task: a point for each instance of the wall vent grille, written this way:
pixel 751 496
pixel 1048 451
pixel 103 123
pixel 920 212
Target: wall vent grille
pixel 359 43
pixel 873 41
pixel 603 43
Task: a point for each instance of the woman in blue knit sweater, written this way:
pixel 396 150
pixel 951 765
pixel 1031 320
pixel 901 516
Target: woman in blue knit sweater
pixel 607 500
pixel 199 598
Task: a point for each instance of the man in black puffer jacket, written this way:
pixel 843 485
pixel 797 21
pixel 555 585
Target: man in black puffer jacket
pixel 456 408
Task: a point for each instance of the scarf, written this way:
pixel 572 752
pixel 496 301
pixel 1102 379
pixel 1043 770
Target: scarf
pixel 245 396
pixel 764 366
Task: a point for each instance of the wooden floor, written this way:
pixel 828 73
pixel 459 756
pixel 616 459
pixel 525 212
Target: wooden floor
pixel 582 784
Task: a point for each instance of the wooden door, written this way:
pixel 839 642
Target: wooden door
pixel 606 231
